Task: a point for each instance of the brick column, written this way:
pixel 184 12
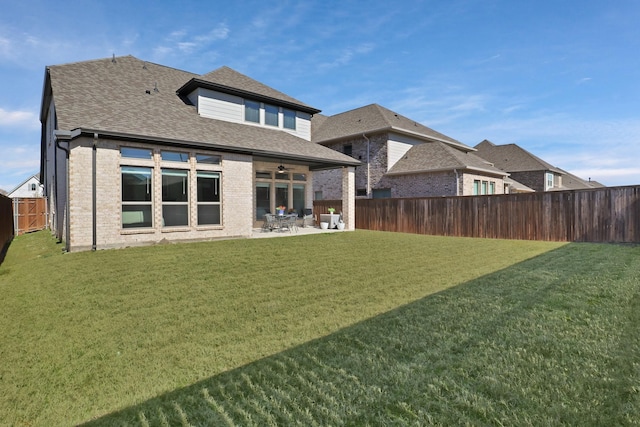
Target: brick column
pixel 349 197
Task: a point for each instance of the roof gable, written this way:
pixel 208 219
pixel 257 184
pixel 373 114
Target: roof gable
pixel 126 97
pixel 512 158
pixel 227 80
pixel 438 156
pixel 375 118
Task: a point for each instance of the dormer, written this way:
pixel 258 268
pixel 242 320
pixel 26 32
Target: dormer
pixel 225 94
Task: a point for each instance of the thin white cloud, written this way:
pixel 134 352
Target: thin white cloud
pixel 344 56
pixel 18 118
pixel 180 41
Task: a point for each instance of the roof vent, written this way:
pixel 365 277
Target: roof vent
pixel 113 58
pixel 155 87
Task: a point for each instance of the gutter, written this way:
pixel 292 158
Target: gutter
pixel 66 136
pixel 94 237
pixel 368 167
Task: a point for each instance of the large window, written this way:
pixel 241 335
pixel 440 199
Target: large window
pixel 137 190
pixel 252 111
pixel 175 197
pixel 289 119
pixel 208 198
pixel 270 115
pixel 476 187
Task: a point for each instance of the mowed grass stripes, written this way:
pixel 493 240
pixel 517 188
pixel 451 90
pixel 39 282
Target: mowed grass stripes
pixel 358 328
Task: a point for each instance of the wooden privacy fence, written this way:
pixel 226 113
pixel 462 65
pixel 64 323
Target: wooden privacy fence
pixel 610 214
pixel 6 224
pixel 30 214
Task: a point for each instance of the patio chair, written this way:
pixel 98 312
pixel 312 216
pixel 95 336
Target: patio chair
pixel 307 217
pixel 270 222
pixel 289 222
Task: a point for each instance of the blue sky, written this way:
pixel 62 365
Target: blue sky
pixel 560 78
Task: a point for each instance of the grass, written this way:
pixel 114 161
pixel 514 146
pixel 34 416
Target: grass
pixel 357 328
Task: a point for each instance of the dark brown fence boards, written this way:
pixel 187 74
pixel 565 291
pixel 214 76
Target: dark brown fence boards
pixel 6 224
pixel 31 214
pixel 609 214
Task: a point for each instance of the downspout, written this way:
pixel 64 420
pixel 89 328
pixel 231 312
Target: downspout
pixel 368 167
pixel 67 204
pixel 93 192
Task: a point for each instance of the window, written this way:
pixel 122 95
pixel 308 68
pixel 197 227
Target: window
pixel 33 187
pixel 271 115
pixel 175 197
pixel 282 194
pixel 382 193
pixel 549 179
pixel 252 111
pixel 476 187
pixel 208 159
pixel 208 198
pixel 137 189
pixel 263 175
pixel 299 177
pixel 298 198
pixel 135 153
pixel 361 192
pixel 492 187
pixel 317 195
pixel 174 156
pixel 348 149
pixel 484 187
pixel 289 119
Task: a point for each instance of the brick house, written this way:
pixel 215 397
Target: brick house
pixel 400 158
pixel 137 153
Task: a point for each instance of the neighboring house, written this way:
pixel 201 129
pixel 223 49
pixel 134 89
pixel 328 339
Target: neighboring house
pixel 530 170
pixel 522 166
pixel 572 182
pixel 30 187
pixel 400 158
pixel 137 153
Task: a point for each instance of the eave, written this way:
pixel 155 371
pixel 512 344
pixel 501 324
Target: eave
pixel 196 83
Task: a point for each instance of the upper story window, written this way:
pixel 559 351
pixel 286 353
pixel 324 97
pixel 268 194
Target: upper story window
pixel 271 115
pixel 33 187
pixel 135 153
pixel 208 159
pixel 289 119
pixel 251 111
pixel 549 180
pixel 174 156
pixel 348 149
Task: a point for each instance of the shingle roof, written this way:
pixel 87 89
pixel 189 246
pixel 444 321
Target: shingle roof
pixel 573 182
pixel 512 158
pixel 125 95
pixel 518 187
pixel 374 118
pixel 437 156
pixel 227 79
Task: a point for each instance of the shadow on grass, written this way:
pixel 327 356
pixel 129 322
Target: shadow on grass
pixel 537 343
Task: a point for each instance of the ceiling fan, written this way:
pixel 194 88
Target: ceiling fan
pixel 282 169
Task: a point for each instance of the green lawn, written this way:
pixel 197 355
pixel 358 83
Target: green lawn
pixel 358 328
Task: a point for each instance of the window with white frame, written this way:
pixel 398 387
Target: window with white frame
pixel 271 115
pixel 208 198
pixel 251 111
pixel 289 119
pixel 549 180
pixel 175 197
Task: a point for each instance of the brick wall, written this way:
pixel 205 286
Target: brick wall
pixel 237 203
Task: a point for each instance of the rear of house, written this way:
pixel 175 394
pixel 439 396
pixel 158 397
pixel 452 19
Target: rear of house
pixel 137 153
